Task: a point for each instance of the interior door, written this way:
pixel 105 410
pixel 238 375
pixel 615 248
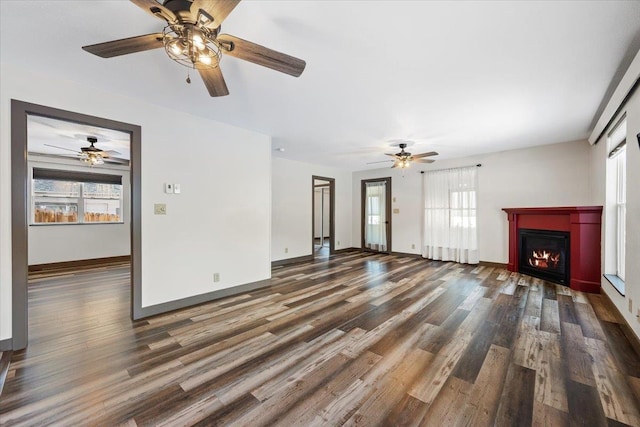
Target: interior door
pixel 376 215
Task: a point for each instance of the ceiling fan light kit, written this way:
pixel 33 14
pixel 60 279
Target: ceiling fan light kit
pixel 191 38
pixel 92 159
pixel 191 47
pixel 92 155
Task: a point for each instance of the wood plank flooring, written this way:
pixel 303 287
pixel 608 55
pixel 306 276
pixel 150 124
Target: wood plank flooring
pixel 358 339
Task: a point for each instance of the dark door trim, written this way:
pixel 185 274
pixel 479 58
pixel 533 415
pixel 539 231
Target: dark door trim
pixel 19 200
pixel 332 211
pixel 363 191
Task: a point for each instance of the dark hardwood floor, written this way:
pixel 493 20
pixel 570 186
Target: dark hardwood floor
pixel 358 339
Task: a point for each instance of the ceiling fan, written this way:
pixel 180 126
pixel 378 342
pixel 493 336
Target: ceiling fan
pixel 403 159
pixel 93 155
pixel 192 38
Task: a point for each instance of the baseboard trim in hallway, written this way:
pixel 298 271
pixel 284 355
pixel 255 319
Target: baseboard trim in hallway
pixel 78 264
pixel 168 307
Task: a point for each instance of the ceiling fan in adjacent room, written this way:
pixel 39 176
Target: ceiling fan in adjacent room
pixel 192 38
pixel 93 155
pixel 403 159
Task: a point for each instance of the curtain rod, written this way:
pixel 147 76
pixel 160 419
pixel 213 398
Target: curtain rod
pixel 448 169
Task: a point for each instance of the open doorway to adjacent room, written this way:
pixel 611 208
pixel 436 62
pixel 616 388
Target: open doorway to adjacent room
pixel 323 214
pixel 75 192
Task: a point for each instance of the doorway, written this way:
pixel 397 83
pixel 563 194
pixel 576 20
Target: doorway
pixel 322 216
pixel 20 215
pixel 376 215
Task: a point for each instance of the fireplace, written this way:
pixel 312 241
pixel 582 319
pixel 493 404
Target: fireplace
pixel 544 254
pixel 582 251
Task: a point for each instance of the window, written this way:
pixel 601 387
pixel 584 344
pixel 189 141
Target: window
pixel 621 209
pixel 463 208
pixel 450 202
pixel 60 196
pixel 373 214
pixel 617 200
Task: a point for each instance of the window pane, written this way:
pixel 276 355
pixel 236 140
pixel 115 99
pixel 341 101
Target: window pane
pixel 102 191
pixel 102 210
pixel 55 212
pixel 621 196
pixel 620 262
pixel 51 188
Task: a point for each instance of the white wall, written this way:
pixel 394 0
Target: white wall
pixel 221 221
pixel 548 175
pixel 321 213
pixel 598 174
pixel 291 225
pixel 71 242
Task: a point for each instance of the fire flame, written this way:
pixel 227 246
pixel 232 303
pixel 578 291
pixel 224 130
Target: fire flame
pixel 544 259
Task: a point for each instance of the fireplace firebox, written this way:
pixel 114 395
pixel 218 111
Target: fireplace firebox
pixel 544 254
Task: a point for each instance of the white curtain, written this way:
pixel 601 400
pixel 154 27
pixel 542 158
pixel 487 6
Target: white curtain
pixel 375 228
pixel 450 202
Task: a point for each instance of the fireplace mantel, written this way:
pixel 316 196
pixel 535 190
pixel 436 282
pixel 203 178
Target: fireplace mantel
pixel 583 224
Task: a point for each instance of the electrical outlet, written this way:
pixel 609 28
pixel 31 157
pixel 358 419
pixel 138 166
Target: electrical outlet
pixel 413 246
pixel 630 305
pixel 168 188
pixel 216 277
pixel 338 243
pixel 160 209
pixel 286 250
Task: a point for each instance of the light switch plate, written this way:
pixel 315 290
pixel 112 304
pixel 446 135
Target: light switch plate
pixel 176 188
pixel 160 209
pixel 396 211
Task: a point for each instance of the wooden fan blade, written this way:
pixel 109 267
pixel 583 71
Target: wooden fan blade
pixel 214 81
pixel 156 9
pixel 423 160
pixel 218 9
pixel 126 46
pixel 116 161
pixel 429 154
pixel 261 55
pixel 395 165
pixel 112 152
pixel 381 161
pixel 392 155
pixel 61 148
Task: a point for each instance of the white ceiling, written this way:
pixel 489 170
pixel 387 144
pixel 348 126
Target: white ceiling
pixel 456 77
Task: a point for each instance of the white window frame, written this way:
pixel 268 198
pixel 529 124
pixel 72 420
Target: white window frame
pixel 616 147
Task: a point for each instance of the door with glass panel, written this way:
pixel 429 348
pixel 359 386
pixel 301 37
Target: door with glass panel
pixel 376 215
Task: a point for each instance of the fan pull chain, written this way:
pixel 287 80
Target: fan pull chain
pixel 188 78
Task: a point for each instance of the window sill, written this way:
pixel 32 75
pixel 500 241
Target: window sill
pixel 45 224
pixel 616 282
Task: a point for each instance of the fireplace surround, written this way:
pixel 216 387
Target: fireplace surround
pixel 581 224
